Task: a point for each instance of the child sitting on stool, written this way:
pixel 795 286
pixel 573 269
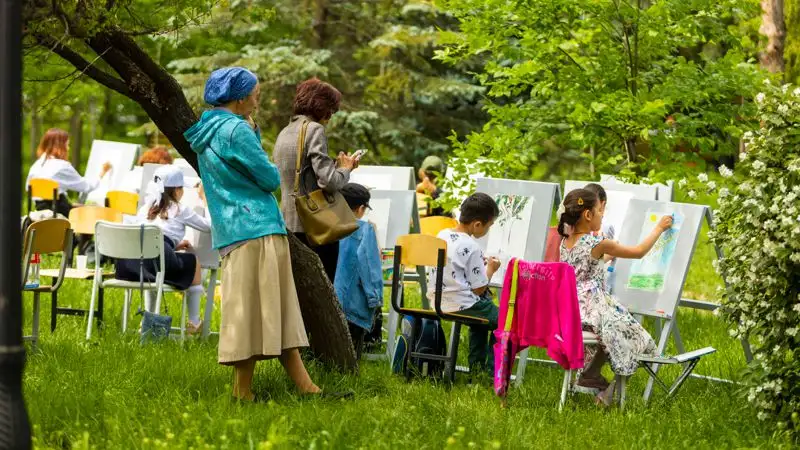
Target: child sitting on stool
pixel 465 282
pixel 359 277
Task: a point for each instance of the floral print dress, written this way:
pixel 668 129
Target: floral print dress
pixel 622 337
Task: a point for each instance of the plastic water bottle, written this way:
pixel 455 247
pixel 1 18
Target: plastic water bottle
pixel 610 278
pixel 33 272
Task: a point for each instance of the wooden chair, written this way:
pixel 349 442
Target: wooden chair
pixel 82 220
pixel 122 201
pixel 43 189
pixel 425 250
pixel 431 226
pixel 45 237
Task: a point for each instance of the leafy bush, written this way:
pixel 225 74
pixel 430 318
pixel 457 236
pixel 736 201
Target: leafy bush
pixel 758 228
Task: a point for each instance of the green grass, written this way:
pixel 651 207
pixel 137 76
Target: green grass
pixel 114 393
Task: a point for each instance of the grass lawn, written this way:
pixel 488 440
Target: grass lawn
pixel 114 393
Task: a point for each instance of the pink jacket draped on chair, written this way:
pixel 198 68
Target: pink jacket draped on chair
pixel 547 313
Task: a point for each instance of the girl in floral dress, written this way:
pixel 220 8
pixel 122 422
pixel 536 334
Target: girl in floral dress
pixel 621 337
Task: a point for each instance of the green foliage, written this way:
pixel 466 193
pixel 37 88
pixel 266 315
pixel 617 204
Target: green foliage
pixel 631 82
pixel 758 228
pixel 397 100
pixel 792 49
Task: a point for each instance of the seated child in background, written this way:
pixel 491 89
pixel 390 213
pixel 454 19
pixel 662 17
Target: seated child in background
pixel 431 167
pixel 622 338
pixel 466 276
pixel 163 207
pixel 608 232
pixel 359 277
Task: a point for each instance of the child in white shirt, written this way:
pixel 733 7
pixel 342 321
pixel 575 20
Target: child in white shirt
pixel 163 208
pixel 467 273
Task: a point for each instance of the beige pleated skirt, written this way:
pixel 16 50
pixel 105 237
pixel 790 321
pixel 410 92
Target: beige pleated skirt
pixel 259 306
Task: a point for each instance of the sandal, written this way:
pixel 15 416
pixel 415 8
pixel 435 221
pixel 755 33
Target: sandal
pixel 192 328
pixel 606 397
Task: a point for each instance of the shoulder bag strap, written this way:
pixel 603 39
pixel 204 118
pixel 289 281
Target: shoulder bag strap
pixel 512 298
pixel 301 143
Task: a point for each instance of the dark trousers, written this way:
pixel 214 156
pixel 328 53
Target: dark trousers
pixel 328 253
pixel 481 338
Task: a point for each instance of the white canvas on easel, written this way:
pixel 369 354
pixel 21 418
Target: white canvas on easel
pixel 392 213
pixel 664 192
pixel 385 178
pixel 526 208
pixel 148 170
pixel 120 155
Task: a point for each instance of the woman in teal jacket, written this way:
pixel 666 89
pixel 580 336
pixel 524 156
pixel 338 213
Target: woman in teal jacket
pixel 260 312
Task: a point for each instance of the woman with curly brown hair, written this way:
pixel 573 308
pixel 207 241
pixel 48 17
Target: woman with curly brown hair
pixel 314 104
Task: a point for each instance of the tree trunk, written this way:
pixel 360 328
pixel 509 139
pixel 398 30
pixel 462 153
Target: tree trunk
pixel 152 87
pixel 75 136
pixel 630 149
pixel 324 320
pixel 35 132
pixel 320 23
pixel 773 27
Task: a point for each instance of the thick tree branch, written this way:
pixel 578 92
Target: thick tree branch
pixel 84 66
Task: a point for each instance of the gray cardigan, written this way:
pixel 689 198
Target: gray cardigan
pixel 328 177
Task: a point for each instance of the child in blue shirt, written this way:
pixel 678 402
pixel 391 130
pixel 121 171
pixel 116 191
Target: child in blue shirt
pixel 359 280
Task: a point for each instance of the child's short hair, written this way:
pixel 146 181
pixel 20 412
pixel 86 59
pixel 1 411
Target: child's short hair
pixel 355 195
pixel 478 207
pixel 597 189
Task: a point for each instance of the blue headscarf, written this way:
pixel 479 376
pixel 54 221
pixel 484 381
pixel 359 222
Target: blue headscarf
pixel 229 84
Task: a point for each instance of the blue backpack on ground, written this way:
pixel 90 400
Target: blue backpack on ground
pixel 431 341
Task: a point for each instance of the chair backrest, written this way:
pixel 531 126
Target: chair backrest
pixel 420 249
pixel 84 218
pixel 431 226
pixel 552 252
pixel 118 240
pixel 122 201
pixel 43 188
pixel 47 236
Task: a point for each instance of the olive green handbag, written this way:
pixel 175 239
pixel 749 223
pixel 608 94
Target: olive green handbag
pixel 326 217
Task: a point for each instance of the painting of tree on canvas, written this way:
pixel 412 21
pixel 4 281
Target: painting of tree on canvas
pixel 650 272
pixel 508 236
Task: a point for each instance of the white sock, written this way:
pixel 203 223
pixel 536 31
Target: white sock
pixel 193 299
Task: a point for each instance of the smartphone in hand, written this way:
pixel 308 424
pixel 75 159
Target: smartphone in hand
pixel 359 153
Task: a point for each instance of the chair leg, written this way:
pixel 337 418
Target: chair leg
pixel 521 365
pixel 452 352
pixel 622 387
pixel 91 310
pixel 35 332
pixel 53 309
pixel 212 285
pixel 564 389
pixel 183 318
pixel 126 305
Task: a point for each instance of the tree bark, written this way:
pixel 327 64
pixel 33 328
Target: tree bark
pixel 152 87
pixel 75 136
pixel 773 26
pixel 107 117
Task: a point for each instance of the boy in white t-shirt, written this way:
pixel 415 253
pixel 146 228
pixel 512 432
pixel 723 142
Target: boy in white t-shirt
pixel 467 273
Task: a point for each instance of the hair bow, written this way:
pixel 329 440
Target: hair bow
pixel 155 189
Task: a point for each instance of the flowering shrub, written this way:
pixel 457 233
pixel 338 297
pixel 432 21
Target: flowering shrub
pixel 758 229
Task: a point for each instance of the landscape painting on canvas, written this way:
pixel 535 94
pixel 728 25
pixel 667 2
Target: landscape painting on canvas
pixel 508 236
pixel 650 272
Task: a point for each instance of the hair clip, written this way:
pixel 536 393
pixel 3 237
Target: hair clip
pixel 580 201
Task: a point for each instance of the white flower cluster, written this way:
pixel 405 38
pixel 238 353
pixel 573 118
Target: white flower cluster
pixel 758 229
